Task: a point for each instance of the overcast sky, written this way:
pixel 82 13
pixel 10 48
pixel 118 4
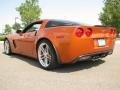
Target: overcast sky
pixel 85 11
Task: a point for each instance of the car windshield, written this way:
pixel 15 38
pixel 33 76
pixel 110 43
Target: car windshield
pixel 54 23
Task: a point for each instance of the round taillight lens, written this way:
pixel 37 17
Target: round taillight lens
pixel 111 31
pixel 114 31
pixel 79 32
pixel 88 32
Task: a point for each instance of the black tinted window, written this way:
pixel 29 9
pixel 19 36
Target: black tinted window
pixel 54 23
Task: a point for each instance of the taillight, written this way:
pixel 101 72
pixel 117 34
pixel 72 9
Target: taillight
pixel 88 32
pixel 79 32
pixel 112 31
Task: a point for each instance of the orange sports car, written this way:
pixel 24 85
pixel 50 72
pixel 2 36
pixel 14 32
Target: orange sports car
pixel 55 42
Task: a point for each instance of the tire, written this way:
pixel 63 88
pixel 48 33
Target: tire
pixel 7 48
pixel 46 55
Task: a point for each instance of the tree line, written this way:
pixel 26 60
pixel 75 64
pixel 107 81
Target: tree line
pixel 30 11
pixel 110 15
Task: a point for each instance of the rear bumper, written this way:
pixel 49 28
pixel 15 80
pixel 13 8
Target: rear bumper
pixel 93 56
pixel 84 48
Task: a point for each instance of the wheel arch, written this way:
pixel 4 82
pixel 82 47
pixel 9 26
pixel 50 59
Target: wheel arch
pixel 44 38
pixel 5 39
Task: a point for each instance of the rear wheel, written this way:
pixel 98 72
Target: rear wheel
pixel 46 55
pixel 7 48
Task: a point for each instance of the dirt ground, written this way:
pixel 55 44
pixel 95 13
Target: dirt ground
pixel 22 73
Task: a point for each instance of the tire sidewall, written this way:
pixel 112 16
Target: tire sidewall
pixel 53 62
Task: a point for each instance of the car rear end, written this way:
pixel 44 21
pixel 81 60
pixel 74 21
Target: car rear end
pixel 89 42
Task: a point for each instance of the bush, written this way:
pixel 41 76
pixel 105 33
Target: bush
pixel 2 37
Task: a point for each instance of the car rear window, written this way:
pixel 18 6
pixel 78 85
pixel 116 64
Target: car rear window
pixel 54 23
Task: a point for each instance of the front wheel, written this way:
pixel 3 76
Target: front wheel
pixel 7 48
pixel 46 55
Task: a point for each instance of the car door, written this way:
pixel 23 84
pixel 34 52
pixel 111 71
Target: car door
pixel 27 39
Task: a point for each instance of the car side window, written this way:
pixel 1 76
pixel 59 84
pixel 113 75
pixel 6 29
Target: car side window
pixel 33 28
pixel 50 24
pixel 54 23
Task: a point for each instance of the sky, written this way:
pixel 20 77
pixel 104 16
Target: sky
pixel 85 11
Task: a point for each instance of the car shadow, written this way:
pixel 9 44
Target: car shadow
pixel 26 59
pixel 67 68
pixel 81 65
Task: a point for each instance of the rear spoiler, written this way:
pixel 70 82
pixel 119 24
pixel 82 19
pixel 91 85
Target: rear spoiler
pixel 101 26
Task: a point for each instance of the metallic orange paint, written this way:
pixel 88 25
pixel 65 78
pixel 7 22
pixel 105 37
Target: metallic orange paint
pixel 67 45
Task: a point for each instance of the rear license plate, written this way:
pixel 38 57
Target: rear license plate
pixel 101 42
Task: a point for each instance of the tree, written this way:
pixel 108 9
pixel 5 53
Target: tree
pixel 16 26
pixel 8 29
pixel 111 14
pixel 29 11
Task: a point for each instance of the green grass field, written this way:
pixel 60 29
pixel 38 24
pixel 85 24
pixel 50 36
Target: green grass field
pixel 2 37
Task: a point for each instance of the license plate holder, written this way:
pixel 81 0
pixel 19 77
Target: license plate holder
pixel 101 42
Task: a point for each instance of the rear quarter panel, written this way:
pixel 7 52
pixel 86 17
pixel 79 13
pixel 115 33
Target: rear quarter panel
pixel 59 37
pixel 69 46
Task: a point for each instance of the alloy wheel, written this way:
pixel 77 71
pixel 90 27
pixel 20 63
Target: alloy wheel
pixel 6 47
pixel 44 55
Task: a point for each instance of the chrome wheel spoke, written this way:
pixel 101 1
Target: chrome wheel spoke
pixel 6 47
pixel 46 49
pixel 42 50
pixel 49 56
pixel 46 62
pixel 44 55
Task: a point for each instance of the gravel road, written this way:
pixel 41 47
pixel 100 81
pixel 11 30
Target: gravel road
pixel 22 73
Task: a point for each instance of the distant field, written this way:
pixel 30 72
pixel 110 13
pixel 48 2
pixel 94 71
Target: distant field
pixel 2 37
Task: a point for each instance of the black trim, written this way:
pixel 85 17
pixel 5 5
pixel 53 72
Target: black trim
pixel 101 26
pixel 30 25
pixel 93 55
pixel 35 33
pixel 14 43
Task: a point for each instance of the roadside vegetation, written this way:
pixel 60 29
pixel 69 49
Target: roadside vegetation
pixel 30 11
pixel 2 37
pixel 110 15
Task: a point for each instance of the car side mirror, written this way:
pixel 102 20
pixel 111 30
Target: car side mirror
pixel 18 31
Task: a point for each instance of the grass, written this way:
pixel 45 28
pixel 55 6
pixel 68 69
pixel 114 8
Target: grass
pixel 2 37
